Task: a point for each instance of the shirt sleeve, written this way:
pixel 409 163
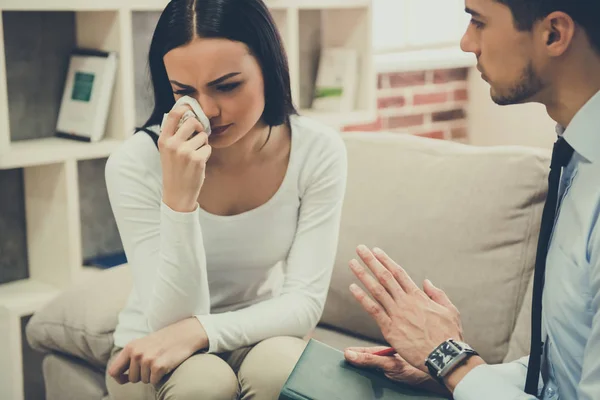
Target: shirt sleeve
pixel 589 385
pixel 495 382
pixel 307 274
pixel 164 248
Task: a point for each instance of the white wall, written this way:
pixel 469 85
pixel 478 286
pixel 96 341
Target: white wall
pixel 410 24
pixel 490 124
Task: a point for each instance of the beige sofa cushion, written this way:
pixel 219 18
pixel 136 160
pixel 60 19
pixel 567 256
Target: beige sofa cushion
pixel 68 378
pixel 518 346
pixel 80 321
pixel 465 217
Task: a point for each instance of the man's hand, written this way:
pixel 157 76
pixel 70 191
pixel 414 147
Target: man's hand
pixel 150 358
pixel 413 321
pixel 394 367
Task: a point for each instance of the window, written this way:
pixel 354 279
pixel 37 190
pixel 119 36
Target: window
pixel 401 25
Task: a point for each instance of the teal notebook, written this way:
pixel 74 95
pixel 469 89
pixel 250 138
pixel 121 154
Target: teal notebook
pixel 323 374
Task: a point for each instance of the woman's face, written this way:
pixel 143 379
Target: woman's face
pixel 225 79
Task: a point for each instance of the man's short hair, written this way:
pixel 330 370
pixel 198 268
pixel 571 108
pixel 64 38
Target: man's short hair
pixel 585 13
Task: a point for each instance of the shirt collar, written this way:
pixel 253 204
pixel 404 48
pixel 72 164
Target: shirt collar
pixel 583 133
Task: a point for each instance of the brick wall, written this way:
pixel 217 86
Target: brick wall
pixel 429 103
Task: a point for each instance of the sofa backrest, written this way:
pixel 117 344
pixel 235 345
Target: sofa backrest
pixel 465 217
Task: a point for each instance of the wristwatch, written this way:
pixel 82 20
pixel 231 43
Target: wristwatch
pixel 446 357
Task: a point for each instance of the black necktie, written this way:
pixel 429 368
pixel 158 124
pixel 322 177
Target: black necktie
pixel 561 156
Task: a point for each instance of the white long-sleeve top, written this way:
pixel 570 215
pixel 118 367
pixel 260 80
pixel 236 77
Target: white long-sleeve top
pixel 245 277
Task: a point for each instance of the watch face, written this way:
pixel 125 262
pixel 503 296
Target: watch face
pixel 444 354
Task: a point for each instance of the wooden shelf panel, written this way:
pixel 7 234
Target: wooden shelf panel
pixel 60 5
pixel 147 5
pixel 28 153
pixel 159 5
pixel 318 5
pixel 150 5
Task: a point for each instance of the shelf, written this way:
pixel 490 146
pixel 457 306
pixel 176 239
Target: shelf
pixel 25 296
pixel 159 5
pixel 339 120
pixel 418 60
pixel 27 153
pixel 316 4
pixel 59 5
pixel 59 189
pixel 147 5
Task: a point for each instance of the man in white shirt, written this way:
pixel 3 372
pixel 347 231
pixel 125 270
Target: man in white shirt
pixel 545 51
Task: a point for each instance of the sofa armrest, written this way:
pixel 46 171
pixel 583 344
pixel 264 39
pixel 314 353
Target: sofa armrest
pixel 80 321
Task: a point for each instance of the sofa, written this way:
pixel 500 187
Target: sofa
pixel 465 217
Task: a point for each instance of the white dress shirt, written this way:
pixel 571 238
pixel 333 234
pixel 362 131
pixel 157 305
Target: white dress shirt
pixel 571 298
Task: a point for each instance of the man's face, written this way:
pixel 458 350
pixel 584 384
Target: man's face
pixel 505 56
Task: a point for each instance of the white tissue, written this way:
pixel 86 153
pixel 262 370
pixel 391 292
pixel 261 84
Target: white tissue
pixel 196 113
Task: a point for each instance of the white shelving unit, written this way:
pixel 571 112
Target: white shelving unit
pixel 50 165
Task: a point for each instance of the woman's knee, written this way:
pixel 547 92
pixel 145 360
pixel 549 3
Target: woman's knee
pixel 268 365
pixel 202 376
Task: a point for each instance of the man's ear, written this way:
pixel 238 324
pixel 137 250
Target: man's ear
pixel 558 29
pixel 552 37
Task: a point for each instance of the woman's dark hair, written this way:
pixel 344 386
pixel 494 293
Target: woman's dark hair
pixel 246 21
pixel 585 13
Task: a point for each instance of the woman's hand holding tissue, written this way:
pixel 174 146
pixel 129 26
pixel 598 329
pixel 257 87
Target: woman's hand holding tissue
pixel 183 156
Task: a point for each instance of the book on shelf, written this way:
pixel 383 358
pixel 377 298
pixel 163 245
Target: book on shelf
pixel 337 77
pixel 87 95
pixel 105 261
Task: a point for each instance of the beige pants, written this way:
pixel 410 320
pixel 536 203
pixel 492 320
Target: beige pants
pixel 250 373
